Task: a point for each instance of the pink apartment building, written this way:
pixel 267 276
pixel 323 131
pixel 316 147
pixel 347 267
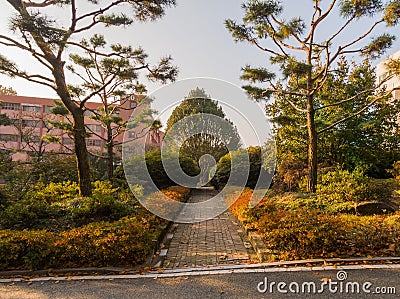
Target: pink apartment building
pixel 30 115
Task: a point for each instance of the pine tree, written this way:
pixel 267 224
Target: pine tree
pixel 306 54
pixel 120 76
pixel 7 90
pixel 43 38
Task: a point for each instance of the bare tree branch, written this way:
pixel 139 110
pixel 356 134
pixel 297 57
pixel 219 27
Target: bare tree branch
pixel 39 4
pixel 352 98
pixel 356 113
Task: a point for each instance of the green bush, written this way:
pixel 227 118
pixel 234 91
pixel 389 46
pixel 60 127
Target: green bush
pixel 53 192
pixel 21 176
pixel 301 231
pixel 305 234
pixel 4 200
pixel 97 208
pixel 26 249
pixel 396 170
pixel 54 168
pixel 239 171
pixel 58 206
pixel 344 186
pixel 127 241
pixel 27 214
pixel 124 242
pixel 156 169
pixel 289 173
pixel 299 234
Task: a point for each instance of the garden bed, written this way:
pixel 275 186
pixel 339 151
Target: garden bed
pixel 108 229
pixel 297 227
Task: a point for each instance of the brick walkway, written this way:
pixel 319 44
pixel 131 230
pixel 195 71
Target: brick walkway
pixel 211 242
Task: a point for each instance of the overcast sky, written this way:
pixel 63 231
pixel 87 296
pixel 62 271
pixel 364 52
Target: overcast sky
pixel 193 33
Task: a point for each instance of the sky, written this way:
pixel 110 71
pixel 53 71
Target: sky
pixel 193 33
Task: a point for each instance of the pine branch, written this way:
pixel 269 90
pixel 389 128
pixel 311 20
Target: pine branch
pixel 320 18
pixel 95 92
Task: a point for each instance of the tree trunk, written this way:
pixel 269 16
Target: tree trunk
pixel 81 152
pixel 110 154
pixel 82 155
pixel 56 62
pixel 312 147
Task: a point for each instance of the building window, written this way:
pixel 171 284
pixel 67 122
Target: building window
pixel 93 142
pixel 31 138
pixel 397 94
pixel 10 106
pixel 31 108
pixel 32 123
pixel 132 135
pixel 47 109
pixel 384 76
pixel 9 137
pixel 89 112
pixel 67 141
pixel 94 128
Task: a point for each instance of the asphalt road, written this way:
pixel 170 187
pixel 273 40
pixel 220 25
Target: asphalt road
pixel 243 285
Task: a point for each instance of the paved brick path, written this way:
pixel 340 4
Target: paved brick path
pixel 215 241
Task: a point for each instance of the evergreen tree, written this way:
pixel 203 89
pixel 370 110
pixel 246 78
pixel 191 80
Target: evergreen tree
pixel 307 54
pixel 219 136
pixel 45 39
pixel 119 75
pixel 369 140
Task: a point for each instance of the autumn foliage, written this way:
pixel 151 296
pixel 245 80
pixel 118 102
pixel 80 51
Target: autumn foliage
pixel 295 231
pixel 126 241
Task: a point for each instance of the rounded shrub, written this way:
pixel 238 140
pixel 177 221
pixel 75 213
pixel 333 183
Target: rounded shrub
pixel 155 168
pixel 239 170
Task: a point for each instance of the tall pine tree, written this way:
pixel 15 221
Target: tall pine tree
pixel 307 54
pixel 42 37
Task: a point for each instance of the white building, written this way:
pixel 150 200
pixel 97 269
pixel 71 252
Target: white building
pixel 382 73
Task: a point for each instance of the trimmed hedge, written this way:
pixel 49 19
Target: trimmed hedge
pixel 155 168
pixel 57 206
pixel 342 185
pixel 239 171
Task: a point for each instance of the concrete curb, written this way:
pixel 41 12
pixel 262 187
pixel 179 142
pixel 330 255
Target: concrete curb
pixel 110 273
pixel 50 272
pixel 200 272
pixel 258 245
pixel 264 254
